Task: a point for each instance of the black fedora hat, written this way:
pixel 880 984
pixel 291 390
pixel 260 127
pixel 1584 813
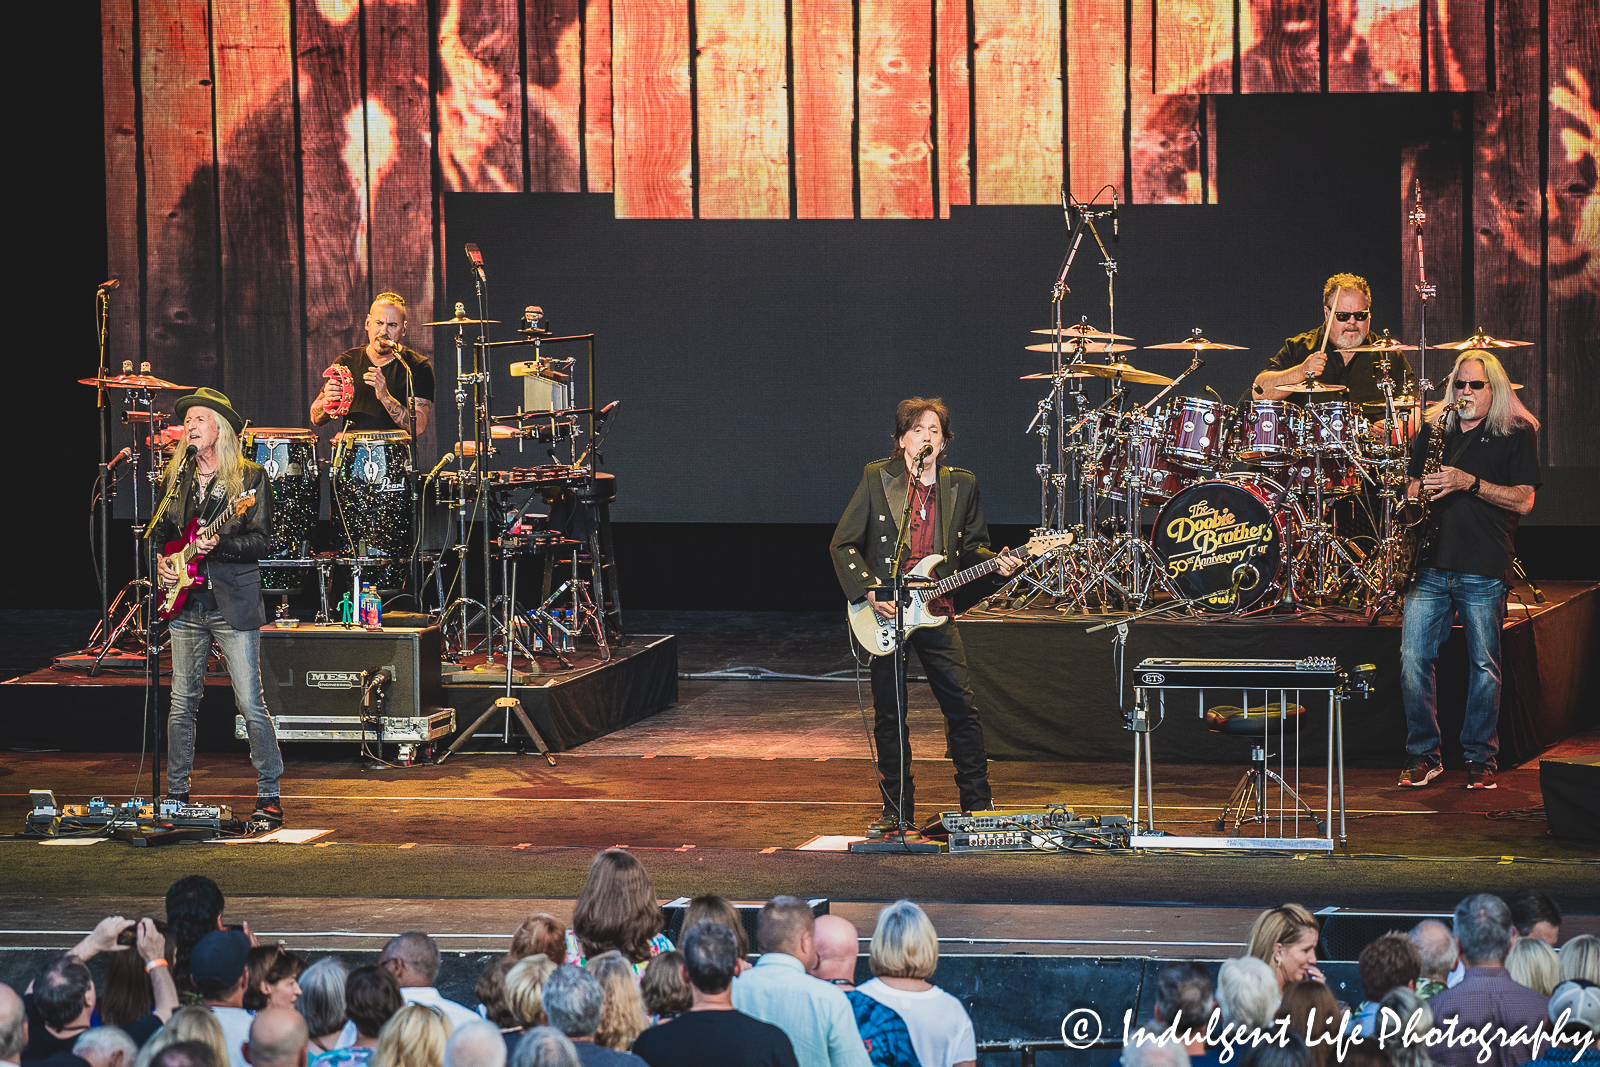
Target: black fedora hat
pixel 210 398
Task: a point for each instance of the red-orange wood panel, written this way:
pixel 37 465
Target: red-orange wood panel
pixel 895 93
pixel 480 96
pixel 1437 165
pixel 334 203
pixel 1282 52
pixel 1165 129
pixel 952 82
pixel 1017 81
pixel 823 46
pixel 1573 238
pixel 260 312
pixel 553 61
pixel 118 69
pixel 597 95
pixel 743 109
pixel 180 207
pixel 1097 97
pixel 1458 45
pixel 1194 46
pixel 1374 46
pixel 651 111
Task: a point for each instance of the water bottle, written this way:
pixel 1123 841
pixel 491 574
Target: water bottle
pixel 371 608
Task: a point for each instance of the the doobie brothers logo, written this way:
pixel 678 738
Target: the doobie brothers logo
pixel 1209 537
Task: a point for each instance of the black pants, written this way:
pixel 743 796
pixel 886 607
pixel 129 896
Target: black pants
pixel 944 661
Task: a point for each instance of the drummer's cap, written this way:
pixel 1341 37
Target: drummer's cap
pixel 209 398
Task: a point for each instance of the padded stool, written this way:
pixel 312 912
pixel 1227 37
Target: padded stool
pixel 1248 800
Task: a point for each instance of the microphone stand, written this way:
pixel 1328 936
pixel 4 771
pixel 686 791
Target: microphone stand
pixel 102 300
pixel 153 620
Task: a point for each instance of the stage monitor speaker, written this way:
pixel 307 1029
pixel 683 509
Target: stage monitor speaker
pixel 317 670
pixel 673 912
pixel 1571 788
pixel 1345 932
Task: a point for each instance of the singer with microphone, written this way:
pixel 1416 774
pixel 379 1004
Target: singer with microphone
pixel 387 375
pixel 205 480
pixel 947 518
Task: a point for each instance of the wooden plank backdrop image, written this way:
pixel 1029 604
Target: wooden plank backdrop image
pixel 271 166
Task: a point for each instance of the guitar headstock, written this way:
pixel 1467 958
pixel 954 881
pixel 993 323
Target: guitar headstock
pixel 244 501
pixel 1039 544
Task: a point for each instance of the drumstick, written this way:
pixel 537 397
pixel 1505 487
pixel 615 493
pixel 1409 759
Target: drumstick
pixel 1327 327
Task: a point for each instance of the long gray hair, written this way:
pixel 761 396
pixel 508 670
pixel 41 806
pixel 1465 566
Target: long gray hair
pixel 230 458
pixel 1506 412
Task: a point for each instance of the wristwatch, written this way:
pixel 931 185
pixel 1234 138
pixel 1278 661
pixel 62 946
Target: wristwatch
pixel 1476 484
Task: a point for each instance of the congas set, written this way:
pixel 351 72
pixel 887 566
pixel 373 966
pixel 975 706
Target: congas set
pixel 289 457
pixel 1215 533
pixel 372 500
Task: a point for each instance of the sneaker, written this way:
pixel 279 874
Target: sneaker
pixel 887 822
pixel 1420 771
pixel 1480 776
pixel 268 810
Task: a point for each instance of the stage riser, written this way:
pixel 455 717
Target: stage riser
pixel 1012 996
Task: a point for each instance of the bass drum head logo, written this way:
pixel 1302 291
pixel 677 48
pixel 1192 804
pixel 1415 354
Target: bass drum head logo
pixel 333 679
pixel 1208 530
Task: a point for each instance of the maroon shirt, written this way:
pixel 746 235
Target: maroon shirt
pixel 923 537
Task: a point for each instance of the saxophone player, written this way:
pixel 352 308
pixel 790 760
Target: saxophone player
pixel 1485 481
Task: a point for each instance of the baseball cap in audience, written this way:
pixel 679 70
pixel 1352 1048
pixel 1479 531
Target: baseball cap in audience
pixel 219 957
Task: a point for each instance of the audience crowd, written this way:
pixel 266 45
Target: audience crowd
pixel 614 990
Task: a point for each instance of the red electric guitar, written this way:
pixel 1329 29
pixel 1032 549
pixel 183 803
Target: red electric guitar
pixel 340 405
pixel 184 559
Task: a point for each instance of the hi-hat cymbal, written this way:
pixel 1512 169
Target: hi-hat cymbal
pixel 1200 344
pixel 1313 387
pixel 1482 340
pixel 1123 372
pixel 1047 375
pixel 1085 331
pixel 133 381
pixel 461 322
pixel 1098 346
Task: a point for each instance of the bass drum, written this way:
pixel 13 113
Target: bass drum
pixel 289 457
pixel 1212 529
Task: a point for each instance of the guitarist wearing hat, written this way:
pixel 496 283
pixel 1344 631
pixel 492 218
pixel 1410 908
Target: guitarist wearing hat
pixel 947 519
pixel 216 527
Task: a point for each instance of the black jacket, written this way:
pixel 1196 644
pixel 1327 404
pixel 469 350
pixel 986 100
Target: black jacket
pixel 230 569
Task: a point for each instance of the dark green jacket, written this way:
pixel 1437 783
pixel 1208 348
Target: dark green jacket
pixel 863 543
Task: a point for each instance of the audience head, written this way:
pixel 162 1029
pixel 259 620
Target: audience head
pixel 664 988
pixel 573 999
pixel 414 1036
pixel 717 909
pixel 1580 1003
pixel 273 978
pixel 905 944
pixel 1436 946
pixel 194 909
pixel 184 1054
pixel 545 1046
pixel 491 990
pixel 1399 1010
pixel 63 992
pixel 1534 964
pixel 475 1044
pixel 1153 1052
pixel 1247 992
pixel 524 989
pixel 127 994
pixel 278 1038
pixel 1389 962
pixel 1292 1052
pixel 1483 930
pixel 838 946
pixel 13 1025
pixel 217 965
pixel 412 957
pixel 192 1025
pixel 1184 994
pixel 540 932
pixel 710 956
pixel 1580 959
pixel 787 925
pixel 1285 938
pixel 1313 1012
pixel 1535 915
pixel 104 1046
pixel 622 1015
pixel 371 997
pixel 617 908
pixel 322 996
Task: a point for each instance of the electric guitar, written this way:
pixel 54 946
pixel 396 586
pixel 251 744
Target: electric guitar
pixel 337 407
pixel 877 635
pixel 183 556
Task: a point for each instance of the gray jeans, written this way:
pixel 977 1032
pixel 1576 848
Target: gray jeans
pixel 192 633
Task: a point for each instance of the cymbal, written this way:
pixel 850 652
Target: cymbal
pixel 1084 331
pixel 133 381
pixel 1406 402
pixel 1200 344
pixel 1384 345
pixel 1482 340
pixel 145 416
pixel 461 322
pixel 1098 346
pixel 1047 375
pixel 1313 387
pixel 1124 372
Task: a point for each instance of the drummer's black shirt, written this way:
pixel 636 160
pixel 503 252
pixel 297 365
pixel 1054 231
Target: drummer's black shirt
pixel 1359 376
pixel 365 411
pixel 1467 533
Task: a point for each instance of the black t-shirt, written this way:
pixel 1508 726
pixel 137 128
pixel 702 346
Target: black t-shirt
pixel 42 1046
pixel 715 1039
pixel 1359 377
pixel 1467 533
pixel 365 411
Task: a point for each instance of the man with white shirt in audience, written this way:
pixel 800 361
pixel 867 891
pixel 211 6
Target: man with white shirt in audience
pixel 217 968
pixel 815 1014
pixel 413 959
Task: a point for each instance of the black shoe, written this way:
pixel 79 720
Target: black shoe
pixel 1480 776
pixel 1420 770
pixel 887 822
pixel 178 798
pixel 270 811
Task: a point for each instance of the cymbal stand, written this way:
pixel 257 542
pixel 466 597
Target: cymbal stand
pixel 134 621
pixel 1323 551
pixel 473 474
pixel 1425 292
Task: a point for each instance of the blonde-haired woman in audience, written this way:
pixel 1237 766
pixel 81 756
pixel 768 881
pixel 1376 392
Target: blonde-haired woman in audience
pixel 414 1036
pixel 617 909
pixel 1534 964
pixel 905 951
pixel 1247 992
pixel 1405 1004
pixel 622 1015
pixel 1285 939
pixel 524 991
pixel 1580 959
pixel 188 1024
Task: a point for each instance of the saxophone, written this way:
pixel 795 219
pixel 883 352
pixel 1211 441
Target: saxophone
pixel 1416 533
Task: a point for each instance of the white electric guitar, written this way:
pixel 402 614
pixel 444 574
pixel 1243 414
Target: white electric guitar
pixel 877 635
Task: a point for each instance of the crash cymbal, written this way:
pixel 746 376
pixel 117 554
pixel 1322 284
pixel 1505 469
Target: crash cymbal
pixel 1400 402
pixel 1385 345
pixel 1047 375
pixel 1124 372
pixel 1313 387
pixel 461 322
pixel 1482 340
pixel 1098 346
pixel 133 381
pixel 1085 331
pixel 1200 344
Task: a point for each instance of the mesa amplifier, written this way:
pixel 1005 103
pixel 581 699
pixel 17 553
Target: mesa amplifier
pixel 318 670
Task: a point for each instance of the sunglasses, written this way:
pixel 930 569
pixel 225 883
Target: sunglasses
pixel 1346 316
pixel 1474 386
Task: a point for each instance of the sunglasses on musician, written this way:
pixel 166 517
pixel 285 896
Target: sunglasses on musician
pixel 1346 316
pixel 1474 386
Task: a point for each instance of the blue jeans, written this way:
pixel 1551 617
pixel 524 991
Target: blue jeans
pixel 1431 609
pixel 192 633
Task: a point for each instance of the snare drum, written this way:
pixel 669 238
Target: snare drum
pixel 1212 529
pixel 372 501
pixel 1266 433
pixel 289 457
pixel 1139 463
pixel 1196 432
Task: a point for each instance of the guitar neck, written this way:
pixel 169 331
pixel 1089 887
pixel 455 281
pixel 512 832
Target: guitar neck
pixel 960 578
pixel 210 529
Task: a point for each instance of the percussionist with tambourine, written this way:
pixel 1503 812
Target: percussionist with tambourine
pixel 368 388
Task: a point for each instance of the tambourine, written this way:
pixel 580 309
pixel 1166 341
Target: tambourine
pixel 339 406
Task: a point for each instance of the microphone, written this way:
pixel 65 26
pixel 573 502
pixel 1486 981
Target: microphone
pixel 1115 214
pixel 1239 573
pixel 606 412
pixel 449 457
pixel 477 259
pixel 126 453
pixel 1066 205
pixel 107 286
pixel 189 452
pixel 927 450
